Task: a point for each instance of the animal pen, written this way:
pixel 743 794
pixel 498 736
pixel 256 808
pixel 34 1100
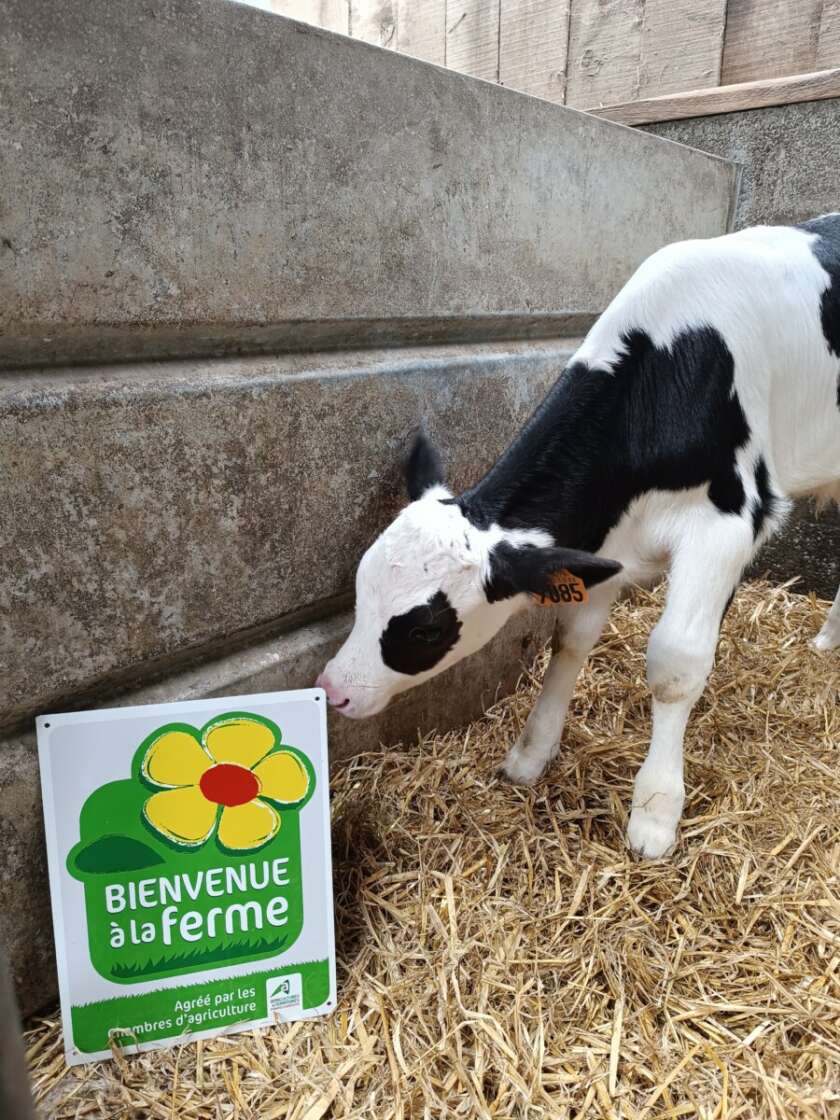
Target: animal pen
pixel 244 257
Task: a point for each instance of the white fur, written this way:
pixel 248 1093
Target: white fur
pixel 430 546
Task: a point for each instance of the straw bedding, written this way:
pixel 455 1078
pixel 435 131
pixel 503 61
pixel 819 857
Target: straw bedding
pixel 501 955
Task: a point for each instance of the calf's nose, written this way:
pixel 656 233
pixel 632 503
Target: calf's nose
pixel 335 697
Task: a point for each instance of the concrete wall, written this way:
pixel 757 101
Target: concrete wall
pixel 265 210
pixel 192 503
pixel 315 191
pixel 790 161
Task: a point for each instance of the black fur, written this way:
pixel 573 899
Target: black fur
pixel 766 503
pixel 416 641
pixel 423 468
pixel 827 252
pixel 661 419
pixel 513 570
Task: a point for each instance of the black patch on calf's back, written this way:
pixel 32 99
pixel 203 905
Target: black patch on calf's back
pixel 406 650
pixel 827 252
pixel 661 419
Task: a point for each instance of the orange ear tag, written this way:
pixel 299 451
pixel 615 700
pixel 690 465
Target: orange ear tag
pixel 564 588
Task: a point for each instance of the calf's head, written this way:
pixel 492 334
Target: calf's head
pixel 435 587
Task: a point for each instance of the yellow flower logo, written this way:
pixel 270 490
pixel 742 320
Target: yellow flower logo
pixel 228 778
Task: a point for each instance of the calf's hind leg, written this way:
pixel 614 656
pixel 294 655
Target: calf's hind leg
pixel 829 636
pixel 705 570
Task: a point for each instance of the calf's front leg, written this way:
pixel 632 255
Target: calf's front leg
pixel 829 635
pixel 540 738
pixel 681 650
pixel 658 792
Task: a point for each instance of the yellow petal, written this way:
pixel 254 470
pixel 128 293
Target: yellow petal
pixel 283 777
pixel 175 759
pixel 239 740
pixel 248 826
pixel 184 816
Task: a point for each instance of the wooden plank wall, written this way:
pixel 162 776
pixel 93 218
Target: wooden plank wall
pixel 533 46
pixel 421 29
pixel 682 41
pixel 472 38
pixel 770 38
pixel 605 43
pixel 334 15
pixel 418 29
pixel 593 54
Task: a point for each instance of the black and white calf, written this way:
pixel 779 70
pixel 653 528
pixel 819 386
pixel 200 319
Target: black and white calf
pixel 705 397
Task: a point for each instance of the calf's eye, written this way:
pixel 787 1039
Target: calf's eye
pixel 419 639
pixel 427 634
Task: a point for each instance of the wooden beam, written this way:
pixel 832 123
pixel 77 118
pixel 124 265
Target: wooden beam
pixel 725 99
pixel 533 45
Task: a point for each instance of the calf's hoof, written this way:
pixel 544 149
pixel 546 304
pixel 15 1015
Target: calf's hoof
pixel 826 640
pixel 650 836
pixel 523 768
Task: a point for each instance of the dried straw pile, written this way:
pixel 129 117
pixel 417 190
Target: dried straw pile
pixel 501 956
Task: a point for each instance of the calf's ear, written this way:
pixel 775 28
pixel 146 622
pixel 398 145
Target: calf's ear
pixel 423 468
pixel 530 569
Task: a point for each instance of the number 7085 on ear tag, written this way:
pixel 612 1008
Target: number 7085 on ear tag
pixel 564 589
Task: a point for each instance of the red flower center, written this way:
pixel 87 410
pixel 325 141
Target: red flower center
pixel 229 784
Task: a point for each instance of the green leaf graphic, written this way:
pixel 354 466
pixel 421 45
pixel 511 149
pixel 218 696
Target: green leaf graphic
pixel 111 854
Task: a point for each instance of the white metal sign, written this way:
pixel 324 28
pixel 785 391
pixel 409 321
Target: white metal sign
pixel 190 871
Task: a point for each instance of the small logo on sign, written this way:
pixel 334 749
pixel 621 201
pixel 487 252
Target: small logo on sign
pixel 283 995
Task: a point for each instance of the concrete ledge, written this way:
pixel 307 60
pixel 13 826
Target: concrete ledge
pixel 149 211
pixel 293 661
pixel 172 509
pixel 141 342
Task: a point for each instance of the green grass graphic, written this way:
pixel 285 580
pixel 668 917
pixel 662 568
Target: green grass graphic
pixel 199 958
